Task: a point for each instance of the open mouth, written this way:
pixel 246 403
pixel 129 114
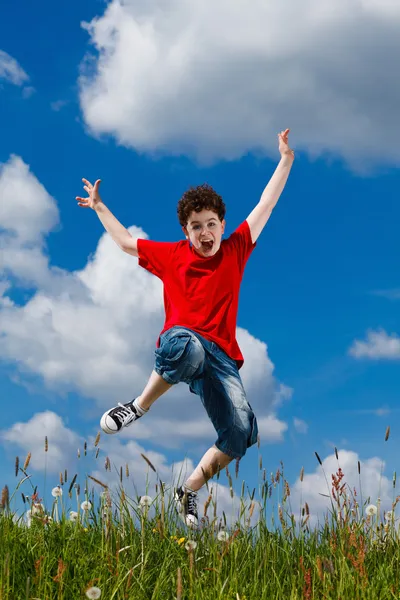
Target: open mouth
pixel 206 246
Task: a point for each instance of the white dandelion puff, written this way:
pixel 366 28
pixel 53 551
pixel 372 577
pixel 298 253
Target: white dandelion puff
pixel 86 505
pixel 93 593
pixel 190 545
pixel 389 515
pixel 371 510
pixel 73 516
pixel 56 492
pixel 145 501
pixel 222 536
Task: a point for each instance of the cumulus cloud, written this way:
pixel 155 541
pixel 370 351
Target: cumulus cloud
pixel 63 444
pixel 141 477
pixel 30 214
pixel 93 331
pixel 314 488
pixel 378 345
pixel 10 70
pixel 29 436
pixel 216 80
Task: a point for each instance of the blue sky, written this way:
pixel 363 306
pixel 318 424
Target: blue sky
pixel 323 277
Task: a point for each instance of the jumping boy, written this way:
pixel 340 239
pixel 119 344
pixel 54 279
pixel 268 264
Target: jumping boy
pixel 201 277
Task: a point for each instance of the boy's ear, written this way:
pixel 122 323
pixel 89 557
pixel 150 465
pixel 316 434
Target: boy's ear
pixel 185 231
pixel 223 225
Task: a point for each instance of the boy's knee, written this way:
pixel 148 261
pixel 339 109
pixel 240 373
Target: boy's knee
pixel 242 435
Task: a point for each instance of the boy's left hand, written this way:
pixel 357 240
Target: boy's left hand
pixel 284 149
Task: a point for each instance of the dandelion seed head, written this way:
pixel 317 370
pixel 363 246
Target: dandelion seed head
pixel 145 501
pixel 371 510
pixel 56 492
pixel 93 593
pixel 73 516
pixel 86 505
pixel 389 515
pixel 222 536
pixel 190 545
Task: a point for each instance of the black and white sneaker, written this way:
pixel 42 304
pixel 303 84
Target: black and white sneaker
pixel 118 417
pixel 186 505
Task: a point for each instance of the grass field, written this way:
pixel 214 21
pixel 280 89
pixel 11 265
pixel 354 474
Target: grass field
pixel 94 542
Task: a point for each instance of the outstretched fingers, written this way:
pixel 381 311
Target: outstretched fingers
pixel 84 202
pixel 87 182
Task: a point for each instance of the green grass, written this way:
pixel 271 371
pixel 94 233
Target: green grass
pixel 130 551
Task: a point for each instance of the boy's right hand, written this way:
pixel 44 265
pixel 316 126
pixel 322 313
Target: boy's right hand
pixel 93 199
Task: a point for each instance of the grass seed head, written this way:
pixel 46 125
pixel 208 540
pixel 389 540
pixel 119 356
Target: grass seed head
pixel 27 461
pixel 5 497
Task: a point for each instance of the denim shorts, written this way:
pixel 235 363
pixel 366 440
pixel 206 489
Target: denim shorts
pixel 186 356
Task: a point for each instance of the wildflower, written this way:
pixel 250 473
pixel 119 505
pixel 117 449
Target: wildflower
pixel 56 492
pixel 93 593
pixel 222 536
pixel 371 510
pixel 180 541
pixel 190 545
pixel 73 516
pixel 47 519
pixel 86 505
pixel 37 508
pixel 145 501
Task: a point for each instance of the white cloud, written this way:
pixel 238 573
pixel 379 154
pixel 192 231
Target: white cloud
pixel 94 331
pixel 31 211
pixel 300 426
pixel 172 474
pixel 271 429
pixel 63 443
pixel 10 70
pixel 314 488
pixel 379 345
pixel 217 80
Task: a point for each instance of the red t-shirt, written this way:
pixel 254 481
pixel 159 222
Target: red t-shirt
pixel 201 293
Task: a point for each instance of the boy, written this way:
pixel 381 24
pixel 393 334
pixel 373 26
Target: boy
pixel 197 345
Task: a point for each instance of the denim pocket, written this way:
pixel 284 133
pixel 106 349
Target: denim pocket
pixel 172 348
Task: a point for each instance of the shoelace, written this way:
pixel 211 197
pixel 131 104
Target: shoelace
pixel 125 415
pixel 191 503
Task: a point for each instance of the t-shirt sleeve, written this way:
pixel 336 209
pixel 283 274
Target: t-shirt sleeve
pixel 242 243
pixel 154 256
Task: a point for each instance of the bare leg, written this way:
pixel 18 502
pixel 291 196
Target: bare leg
pixel 155 387
pixel 212 461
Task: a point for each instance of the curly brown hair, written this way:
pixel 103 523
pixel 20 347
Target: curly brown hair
pixel 198 198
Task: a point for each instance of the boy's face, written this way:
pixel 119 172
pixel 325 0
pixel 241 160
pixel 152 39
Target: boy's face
pixel 204 230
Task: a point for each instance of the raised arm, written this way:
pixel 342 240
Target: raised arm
pixel 118 232
pixel 259 216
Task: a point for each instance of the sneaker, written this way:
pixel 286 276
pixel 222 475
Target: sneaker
pixel 118 417
pixel 186 505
